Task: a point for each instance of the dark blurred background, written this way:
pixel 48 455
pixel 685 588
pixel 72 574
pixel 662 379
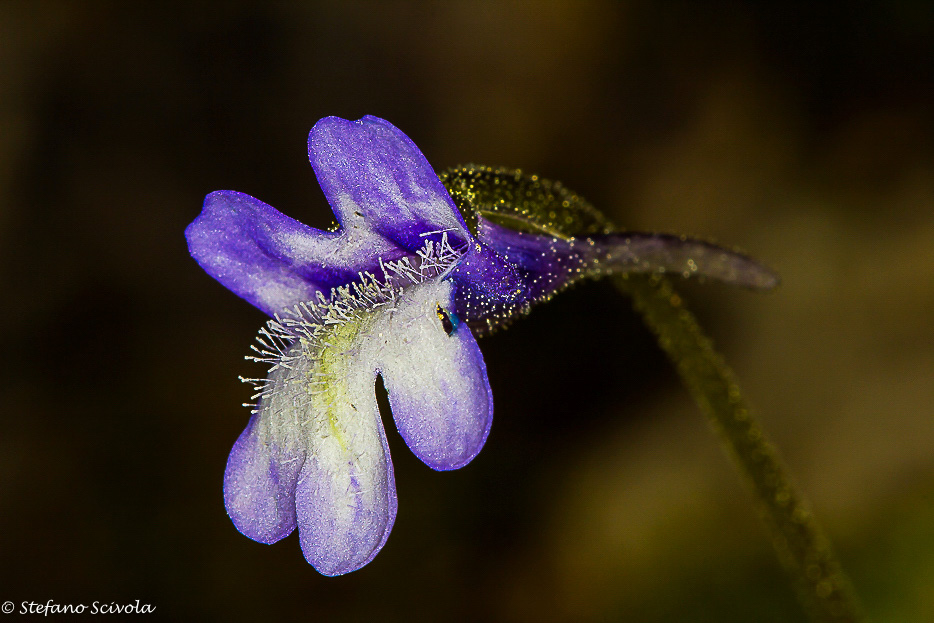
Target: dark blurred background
pixel 804 134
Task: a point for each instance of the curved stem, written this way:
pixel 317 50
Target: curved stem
pixel 822 587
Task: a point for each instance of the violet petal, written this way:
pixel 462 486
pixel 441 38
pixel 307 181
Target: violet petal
pixel 370 170
pixel 274 261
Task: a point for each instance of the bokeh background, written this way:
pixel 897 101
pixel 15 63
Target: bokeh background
pixel 804 134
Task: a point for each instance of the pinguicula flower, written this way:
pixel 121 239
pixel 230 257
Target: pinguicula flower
pixel 396 289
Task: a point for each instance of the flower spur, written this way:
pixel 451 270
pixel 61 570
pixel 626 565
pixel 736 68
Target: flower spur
pixel 396 290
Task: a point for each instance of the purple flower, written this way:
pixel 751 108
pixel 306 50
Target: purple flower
pixel 393 291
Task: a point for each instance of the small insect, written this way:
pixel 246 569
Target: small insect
pixel 449 320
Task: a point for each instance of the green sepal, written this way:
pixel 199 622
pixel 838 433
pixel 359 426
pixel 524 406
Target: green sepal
pixel 521 202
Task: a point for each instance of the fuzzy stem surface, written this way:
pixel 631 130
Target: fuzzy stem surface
pixel 801 545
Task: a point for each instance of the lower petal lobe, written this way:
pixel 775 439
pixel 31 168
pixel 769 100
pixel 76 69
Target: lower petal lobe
pixel 322 393
pixel 259 484
pixel 345 498
pixel 346 502
pixel 436 379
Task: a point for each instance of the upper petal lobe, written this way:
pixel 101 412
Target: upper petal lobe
pixel 370 169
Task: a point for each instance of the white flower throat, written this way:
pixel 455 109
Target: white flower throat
pixel 325 355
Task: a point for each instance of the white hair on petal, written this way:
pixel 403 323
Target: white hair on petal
pixel 309 320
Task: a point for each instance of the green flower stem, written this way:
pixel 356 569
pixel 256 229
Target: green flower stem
pixel 822 587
